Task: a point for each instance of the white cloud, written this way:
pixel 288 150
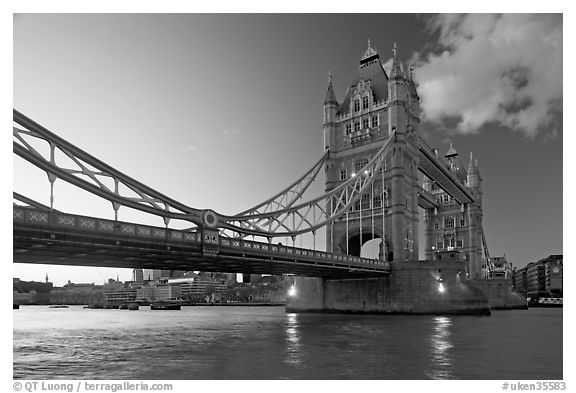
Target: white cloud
pixel 493 68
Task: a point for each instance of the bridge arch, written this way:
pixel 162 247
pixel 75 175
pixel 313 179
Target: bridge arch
pixel 356 239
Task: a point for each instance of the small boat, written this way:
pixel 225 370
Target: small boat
pixel 15 306
pixel 95 306
pixel 165 306
pixel 123 306
pixel 58 306
pixel 547 302
pixel 133 306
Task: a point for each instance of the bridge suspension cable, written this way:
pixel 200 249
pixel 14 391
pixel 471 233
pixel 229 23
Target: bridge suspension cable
pixel 283 215
pixel 93 175
pixel 313 214
pixel 287 197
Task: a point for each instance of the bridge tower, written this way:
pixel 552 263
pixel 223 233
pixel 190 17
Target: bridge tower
pixel 453 226
pixel 376 107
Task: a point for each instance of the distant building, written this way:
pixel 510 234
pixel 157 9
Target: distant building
pixel 120 295
pixel 82 293
pixel 156 274
pixel 501 268
pixel 24 298
pixel 520 281
pixel 31 292
pixel 543 278
pixel 158 292
pixel 138 275
pixel 198 287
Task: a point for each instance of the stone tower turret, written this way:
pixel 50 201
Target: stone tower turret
pixel 330 108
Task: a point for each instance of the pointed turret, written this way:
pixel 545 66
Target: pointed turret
pixel 396 70
pixel 473 173
pixel 330 109
pixel 451 156
pixel 471 165
pixel 330 95
pixel 451 152
pixel 397 97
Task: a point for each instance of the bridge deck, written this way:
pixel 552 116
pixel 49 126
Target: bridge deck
pixel 50 237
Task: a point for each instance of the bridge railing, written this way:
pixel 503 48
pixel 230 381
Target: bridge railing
pixel 90 224
pixel 85 224
pixel 275 249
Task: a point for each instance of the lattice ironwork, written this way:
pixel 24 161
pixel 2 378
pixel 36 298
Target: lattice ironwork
pixel 91 174
pixel 287 197
pixel 282 215
pixel 314 214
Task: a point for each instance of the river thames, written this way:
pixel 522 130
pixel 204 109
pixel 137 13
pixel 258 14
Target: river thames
pixel 227 342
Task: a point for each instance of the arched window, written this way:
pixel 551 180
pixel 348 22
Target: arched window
pixel 356 105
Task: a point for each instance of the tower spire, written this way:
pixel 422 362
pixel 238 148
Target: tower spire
pixel 396 71
pixel 330 95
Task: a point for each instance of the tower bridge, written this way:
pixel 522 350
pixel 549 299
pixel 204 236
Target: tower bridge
pixel 373 154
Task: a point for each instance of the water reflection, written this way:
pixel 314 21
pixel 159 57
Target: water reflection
pixel 293 347
pixel 441 364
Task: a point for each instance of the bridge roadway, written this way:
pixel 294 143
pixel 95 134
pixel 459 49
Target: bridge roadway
pixel 52 237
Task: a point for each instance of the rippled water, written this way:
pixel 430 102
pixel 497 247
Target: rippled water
pixel 267 343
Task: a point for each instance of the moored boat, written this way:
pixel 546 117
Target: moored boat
pixel 165 306
pixel 59 306
pixel 133 306
pixel 547 302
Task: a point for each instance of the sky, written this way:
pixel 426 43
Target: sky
pixel 222 111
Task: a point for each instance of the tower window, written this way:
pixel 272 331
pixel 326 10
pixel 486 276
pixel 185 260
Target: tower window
pixel 365 124
pixel 459 243
pixel 343 174
pixel 449 222
pixel 436 225
pixel 375 121
pixel 359 165
pixel 364 102
pixel 348 128
pixel 363 203
pixel 462 222
pixel 356 126
pixel 439 245
pixel 356 105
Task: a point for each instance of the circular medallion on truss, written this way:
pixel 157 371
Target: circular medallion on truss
pixel 210 219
